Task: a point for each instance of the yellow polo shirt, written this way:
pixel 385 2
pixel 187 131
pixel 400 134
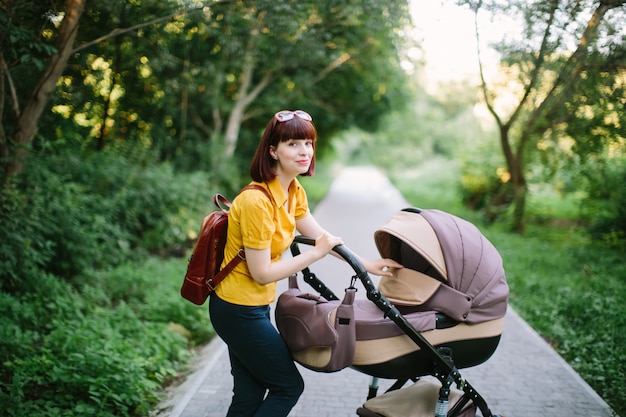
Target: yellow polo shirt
pixel 257 222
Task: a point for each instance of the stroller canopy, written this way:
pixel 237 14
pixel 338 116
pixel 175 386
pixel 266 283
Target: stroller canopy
pixel 449 266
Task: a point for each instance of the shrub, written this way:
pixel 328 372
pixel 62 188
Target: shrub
pixel 22 251
pixel 606 205
pixel 485 185
pixel 68 214
pixel 105 349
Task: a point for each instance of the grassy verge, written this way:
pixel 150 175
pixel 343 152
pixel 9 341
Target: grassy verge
pixel 567 288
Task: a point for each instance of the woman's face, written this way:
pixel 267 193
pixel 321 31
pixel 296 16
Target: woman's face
pixel 293 156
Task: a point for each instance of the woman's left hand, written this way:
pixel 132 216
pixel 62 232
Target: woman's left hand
pixel 381 266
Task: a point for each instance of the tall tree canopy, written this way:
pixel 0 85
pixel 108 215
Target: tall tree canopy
pixel 191 79
pixel 565 72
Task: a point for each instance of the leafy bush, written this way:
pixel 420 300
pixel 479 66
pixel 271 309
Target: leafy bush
pixel 78 337
pixel 72 213
pixel 606 205
pixel 485 185
pixel 103 350
pixel 22 251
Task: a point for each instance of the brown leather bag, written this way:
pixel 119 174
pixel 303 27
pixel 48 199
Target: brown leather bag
pixel 320 334
pixel 203 270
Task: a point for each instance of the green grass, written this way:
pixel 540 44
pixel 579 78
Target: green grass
pixel 569 289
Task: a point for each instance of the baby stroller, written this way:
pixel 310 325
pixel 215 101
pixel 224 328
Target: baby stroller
pixel 442 312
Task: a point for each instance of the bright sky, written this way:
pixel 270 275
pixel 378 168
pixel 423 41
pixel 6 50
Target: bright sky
pixel 446 32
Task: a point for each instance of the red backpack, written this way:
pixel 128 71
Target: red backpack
pixel 203 271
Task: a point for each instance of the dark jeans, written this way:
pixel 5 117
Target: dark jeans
pixel 260 361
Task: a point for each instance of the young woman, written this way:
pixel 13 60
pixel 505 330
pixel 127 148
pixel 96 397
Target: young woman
pixel 266 380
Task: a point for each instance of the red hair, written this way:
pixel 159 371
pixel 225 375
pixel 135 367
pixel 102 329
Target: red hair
pixel 263 166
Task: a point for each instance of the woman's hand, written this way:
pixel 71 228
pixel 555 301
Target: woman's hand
pixel 381 266
pixel 326 242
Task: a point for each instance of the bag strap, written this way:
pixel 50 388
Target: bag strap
pixel 212 283
pixel 223 204
pixel 257 187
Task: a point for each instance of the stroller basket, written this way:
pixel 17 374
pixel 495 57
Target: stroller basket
pixel 442 312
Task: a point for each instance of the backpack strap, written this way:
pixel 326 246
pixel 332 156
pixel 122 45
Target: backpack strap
pixel 257 187
pixel 223 204
pixel 212 283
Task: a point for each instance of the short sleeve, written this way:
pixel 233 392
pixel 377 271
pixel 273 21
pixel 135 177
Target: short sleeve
pixel 256 219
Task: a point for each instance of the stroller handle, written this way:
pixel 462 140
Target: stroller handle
pixel 340 250
pixel 350 257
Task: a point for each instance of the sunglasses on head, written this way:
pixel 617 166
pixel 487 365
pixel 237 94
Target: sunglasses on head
pixel 285 115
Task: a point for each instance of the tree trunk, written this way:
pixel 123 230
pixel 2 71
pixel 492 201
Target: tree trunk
pixel 520 189
pixel 29 118
pixel 519 207
pixel 245 96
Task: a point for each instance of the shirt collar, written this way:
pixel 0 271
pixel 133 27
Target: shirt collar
pixel 277 191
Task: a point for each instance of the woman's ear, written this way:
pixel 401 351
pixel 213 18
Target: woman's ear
pixel 273 152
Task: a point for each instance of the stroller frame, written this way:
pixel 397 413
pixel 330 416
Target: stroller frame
pixel 443 362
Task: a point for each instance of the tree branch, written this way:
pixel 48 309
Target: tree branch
pixel 481 72
pixel 537 64
pixel 14 100
pixel 331 67
pixel 571 70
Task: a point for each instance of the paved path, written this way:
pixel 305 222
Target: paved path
pixel 525 377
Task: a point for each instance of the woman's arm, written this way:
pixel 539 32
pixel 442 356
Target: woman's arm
pixel 264 271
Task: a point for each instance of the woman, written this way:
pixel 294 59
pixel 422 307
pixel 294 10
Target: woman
pixel 264 226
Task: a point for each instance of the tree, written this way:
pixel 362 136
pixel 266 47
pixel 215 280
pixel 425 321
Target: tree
pixel 204 76
pixel 232 67
pixel 14 147
pixel 565 49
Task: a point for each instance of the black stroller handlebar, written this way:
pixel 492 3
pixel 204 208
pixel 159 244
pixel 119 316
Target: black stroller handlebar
pixel 341 250
pixel 352 259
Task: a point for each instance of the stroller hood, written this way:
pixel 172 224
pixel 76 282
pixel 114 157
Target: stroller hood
pixel 449 266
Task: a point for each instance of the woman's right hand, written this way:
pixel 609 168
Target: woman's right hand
pixel 326 242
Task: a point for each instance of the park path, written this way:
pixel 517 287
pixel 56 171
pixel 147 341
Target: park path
pixel 524 378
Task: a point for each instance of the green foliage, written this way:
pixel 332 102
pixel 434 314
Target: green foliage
pixel 433 125
pixel 104 349
pixel 173 85
pixel 77 337
pixel 561 75
pixel 25 44
pixel 484 180
pixel 78 211
pixel 606 204
pixel 22 251
pixel 430 184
